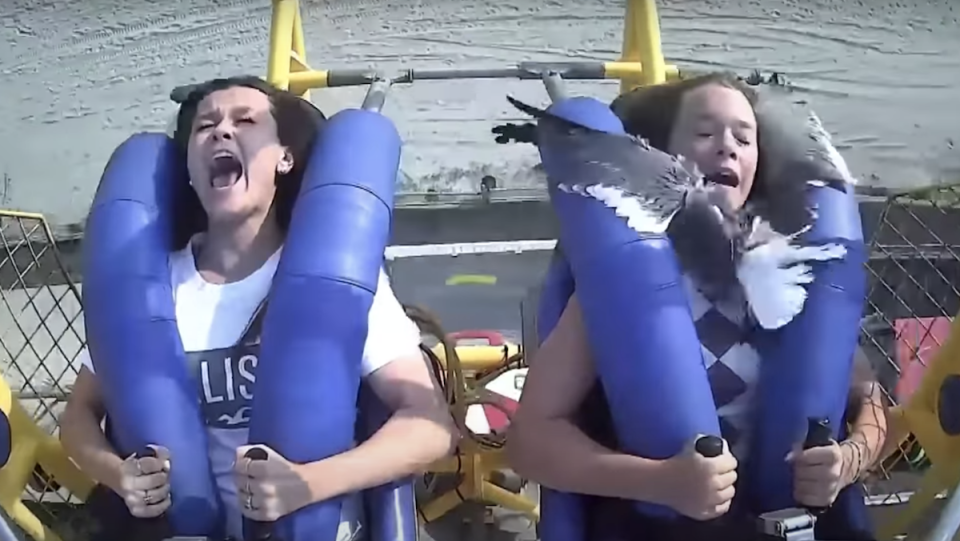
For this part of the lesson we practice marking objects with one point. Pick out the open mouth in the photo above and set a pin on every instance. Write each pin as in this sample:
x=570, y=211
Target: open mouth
x=723, y=178
x=225, y=170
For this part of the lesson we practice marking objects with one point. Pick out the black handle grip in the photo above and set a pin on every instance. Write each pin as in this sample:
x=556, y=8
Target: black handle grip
x=350, y=77
x=259, y=531
x=256, y=454
x=819, y=434
x=709, y=446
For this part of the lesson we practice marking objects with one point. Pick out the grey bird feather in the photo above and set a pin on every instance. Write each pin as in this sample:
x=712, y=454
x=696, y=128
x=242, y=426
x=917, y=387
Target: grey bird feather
x=600, y=164
x=798, y=154
x=655, y=192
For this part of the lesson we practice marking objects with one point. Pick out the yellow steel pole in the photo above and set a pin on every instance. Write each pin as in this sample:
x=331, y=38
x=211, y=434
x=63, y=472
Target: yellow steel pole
x=281, y=42
x=641, y=43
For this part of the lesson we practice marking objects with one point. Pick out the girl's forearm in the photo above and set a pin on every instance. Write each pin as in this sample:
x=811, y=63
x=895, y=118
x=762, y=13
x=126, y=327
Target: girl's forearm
x=85, y=443
x=406, y=445
x=864, y=445
x=557, y=454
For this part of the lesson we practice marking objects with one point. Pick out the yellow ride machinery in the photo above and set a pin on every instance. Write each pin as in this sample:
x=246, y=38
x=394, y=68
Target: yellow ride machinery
x=37, y=466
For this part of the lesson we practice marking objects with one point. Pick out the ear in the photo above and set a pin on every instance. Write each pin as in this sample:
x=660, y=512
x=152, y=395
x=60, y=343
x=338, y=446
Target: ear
x=285, y=165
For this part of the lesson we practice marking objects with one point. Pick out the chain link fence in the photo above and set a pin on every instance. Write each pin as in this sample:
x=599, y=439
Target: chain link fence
x=41, y=334
x=914, y=270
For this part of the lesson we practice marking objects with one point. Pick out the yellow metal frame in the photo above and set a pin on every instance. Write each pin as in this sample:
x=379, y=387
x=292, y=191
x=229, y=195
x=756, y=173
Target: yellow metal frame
x=32, y=447
x=475, y=463
x=920, y=416
x=641, y=61
x=479, y=358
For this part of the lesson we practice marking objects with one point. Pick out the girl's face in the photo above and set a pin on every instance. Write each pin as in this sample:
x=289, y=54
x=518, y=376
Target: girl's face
x=234, y=154
x=716, y=128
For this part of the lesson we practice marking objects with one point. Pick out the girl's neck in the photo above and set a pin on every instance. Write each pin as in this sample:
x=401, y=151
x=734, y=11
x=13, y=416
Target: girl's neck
x=231, y=252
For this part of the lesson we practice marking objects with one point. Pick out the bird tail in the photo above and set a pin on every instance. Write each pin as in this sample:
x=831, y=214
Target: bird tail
x=535, y=112
x=544, y=116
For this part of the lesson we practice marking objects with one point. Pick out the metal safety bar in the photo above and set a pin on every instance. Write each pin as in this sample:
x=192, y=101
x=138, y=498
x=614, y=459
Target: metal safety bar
x=577, y=71
x=376, y=95
x=550, y=73
x=641, y=61
x=553, y=82
x=552, y=76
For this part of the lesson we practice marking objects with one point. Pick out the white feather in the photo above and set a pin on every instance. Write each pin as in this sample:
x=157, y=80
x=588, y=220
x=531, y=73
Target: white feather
x=821, y=134
x=773, y=276
x=639, y=217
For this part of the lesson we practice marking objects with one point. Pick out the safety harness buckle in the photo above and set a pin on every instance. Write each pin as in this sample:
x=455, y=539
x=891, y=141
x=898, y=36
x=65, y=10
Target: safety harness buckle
x=793, y=524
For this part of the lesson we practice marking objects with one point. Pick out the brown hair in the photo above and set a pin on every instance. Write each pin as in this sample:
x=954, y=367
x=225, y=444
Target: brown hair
x=298, y=124
x=650, y=111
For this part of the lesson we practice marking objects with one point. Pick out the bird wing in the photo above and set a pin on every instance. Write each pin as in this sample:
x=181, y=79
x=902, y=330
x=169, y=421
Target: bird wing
x=644, y=185
x=797, y=154
x=775, y=276
x=775, y=267
x=798, y=149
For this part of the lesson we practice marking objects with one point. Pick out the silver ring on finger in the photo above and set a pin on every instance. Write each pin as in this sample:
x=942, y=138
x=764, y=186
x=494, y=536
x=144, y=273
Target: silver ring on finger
x=148, y=498
x=249, y=502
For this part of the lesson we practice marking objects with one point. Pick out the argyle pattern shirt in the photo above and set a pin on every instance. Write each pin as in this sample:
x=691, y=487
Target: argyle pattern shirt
x=732, y=363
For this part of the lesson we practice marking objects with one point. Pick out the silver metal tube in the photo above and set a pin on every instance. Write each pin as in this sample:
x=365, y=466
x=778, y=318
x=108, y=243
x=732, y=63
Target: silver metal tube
x=949, y=522
x=376, y=95
x=553, y=82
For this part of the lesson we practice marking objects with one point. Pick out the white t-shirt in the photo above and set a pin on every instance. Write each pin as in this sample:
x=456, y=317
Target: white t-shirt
x=213, y=317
